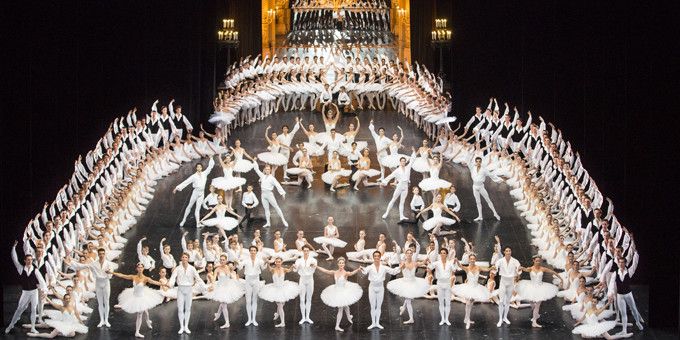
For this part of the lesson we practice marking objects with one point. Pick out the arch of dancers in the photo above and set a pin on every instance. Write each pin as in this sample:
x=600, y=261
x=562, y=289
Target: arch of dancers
x=71, y=247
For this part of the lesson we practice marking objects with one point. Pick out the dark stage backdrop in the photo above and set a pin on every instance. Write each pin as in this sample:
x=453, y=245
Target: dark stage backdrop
x=590, y=67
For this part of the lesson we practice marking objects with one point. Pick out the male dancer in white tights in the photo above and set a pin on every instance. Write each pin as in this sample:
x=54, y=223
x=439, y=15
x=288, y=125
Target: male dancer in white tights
x=619, y=289
x=101, y=269
x=286, y=138
x=508, y=268
x=197, y=181
x=267, y=185
x=186, y=276
x=381, y=144
x=252, y=268
x=444, y=270
x=305, y=267
x=376, y=288
x=479, y=174
x=30, y=280
x=402, y=175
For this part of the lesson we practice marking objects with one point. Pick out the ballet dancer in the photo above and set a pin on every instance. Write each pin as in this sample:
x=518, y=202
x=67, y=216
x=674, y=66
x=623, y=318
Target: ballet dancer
x=444, y=270
x=376, y=288
x=508, y=267
x=305, y=267
x=143, y=255
x=101, y=268
x=252, y=268
x=267, y=185
x=32, y=287
x=226, y=289
x=249, y=202
x=364, y=171
x=274, y=157
x=169, y=262
x=140, y=298
x=409, y=286
x=402, y=175
x=381, y=144
x=68, y=322
x=619, y=284
x=479, y=174
x=330, y=238
x=279, y=291
x=535, y=290
x=435, y=222
x=286, y=138
x=471, y=291
x=197, y=181
x=186, y=277
x=303, y=169
x=342, y=293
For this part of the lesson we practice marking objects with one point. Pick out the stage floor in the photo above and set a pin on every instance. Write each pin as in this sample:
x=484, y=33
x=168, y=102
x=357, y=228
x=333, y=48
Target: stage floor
x=307, y=209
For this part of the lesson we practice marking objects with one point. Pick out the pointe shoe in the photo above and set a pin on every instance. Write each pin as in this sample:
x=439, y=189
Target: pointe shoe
x=500, y=322
x=310, y=321
x=402, y=218
x=8, y=329
x=309, y=186
x=186, y=330
x=479, y=218
x=217, y=316
x=181, y=330
x=138, y=335
x=33, y=330
x=280, y=325
x=350, y=319
x=149, y=324
x=467, y=325
x=506, y=321
x=371, y=326
x=497, y=217
x=255, y=323
x=380, y=326
x=639, y=326
x=226, y=325
x=266, y=225
x=337, y=328
x=401, y=310
x=384, y=216
x=447, y=322
x=535, y=324
x=181, y=224
x=99, y=325
x=301, y=322
x=408, y=322
x=332, y=189
x=441, y=323
x=250, y=322
x=276, y=316
x=285, y=224
x=107, y=324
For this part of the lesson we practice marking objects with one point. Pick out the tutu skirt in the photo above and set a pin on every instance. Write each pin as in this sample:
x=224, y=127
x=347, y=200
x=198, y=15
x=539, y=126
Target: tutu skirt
x=330, y=240
x=409, y=288
x=593, y=330
x=243, y=165
x=313, y=149
x=421, y=165
x=473, y=291
x=279, y=292
x=430, y=184
x=536, y=292
x=66, y=324
x=296, y=171
x=228, y=292
x=135, y=304
x=434, y=221
x=393, y=161
x=228, y=183
x=328, y=176
x=273, y=158
x=341, y=295
x=346, y=148
x=364, y=256
x=224, y=223
x=368, y=173
x=171, y=293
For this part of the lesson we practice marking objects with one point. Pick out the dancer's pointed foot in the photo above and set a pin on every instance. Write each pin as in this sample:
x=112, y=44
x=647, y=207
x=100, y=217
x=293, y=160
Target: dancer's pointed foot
x=138, y=335
x=506, y=321
x=479, y=218
x=401, y=310
x=337, y=328
x=279, y=325
x=408, y=322
x=226, y=325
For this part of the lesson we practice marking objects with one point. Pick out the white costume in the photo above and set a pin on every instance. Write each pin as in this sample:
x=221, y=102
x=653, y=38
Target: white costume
x=376, y=289
x=186, y=278
x=403, y=176
x=507, y=270
x=252, y=270
x=306, y=268
x=267, y=185
x=443, y=273
x=197, y=181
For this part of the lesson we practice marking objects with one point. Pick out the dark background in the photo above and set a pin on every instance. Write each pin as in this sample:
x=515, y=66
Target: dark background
x=604, y=72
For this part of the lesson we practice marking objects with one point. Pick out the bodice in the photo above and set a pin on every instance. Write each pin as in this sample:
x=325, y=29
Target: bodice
x=228, y=171
x=340, y=280
x=536, y=277
x=394, y=148
x=409, y=273
x=436, y=212
x=473, y=277
x=434, y=172
x=331, y=230
x=275, y=148
x=360, y=245
x=138, y=289
x=277, y=279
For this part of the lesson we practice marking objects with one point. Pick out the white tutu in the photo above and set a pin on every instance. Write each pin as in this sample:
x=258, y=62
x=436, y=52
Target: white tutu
x=536, y=292
x=368, y=173
x=472, y=290
x=273, y=158
x=434, y=221
x=228, y=291
x=364, y=256
x=169, y=293
x=243, y=165
x=330, y=240
x=393, y=161
x=430, y=184
x=313, y=149
x=296, y=171
x=346, y=148
x=224, y=223
x=421, y=165
x=328, y=176
x=409, y=288
x=66, y=323
x=279, y=292
x=228, y=183
x=342, y=295
x=135, y=303
x=593, y=328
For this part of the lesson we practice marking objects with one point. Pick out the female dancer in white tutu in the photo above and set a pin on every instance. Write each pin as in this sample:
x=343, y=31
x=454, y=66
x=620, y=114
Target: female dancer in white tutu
x=435, y=222
x=360, y=253
x=242, y=165
x=228, y=182
x=422, y=162
x=350, y=136
x=471, y=291
x=590, y=325
x=392, y=160
x=273, y=157
x=280, y=290
x=409, y=286
x=221, y=221
x=330, y=238
x=303, y=169
x=67, y=324
x=227, y=289
x=315, y=138
x=364, y=171
x=433, y=183
x=331, y=116
x=343, y=293
x=335, y=172
x=140, y=298
x=535, y=290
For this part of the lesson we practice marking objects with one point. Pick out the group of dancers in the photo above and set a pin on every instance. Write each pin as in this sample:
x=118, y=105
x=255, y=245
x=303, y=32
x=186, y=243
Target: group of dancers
x=75, y=241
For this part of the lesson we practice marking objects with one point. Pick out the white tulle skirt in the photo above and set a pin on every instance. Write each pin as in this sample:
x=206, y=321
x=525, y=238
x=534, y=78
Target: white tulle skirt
x=228, y=183
x=536, y=292
x=435, y=221
x=66, y=324
x=313, y=149
x=328, y=176
x=170, y=293
x=472, y=290
x=228, y=292
x=224, y=223
x=335, y=242
x=346, y=148
x=368, y=173
x=421, y=165
x=273, y=158
x=135, y=304
x=430, y=184
x=297, y=171
x=393, y=161
x=282, y=292
x=409, y=288
x=364, y=256
x=243, y=165
x=340, y=296
x=594, y=330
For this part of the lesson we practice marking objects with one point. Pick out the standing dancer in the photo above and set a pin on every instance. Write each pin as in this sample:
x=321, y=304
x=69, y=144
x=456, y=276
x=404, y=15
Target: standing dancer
x=364, y=171
x=101, y=268
x=409, y=286
x=508, y=268
x=376, y=288
x=267, y=185
x=30, y=279
x=197, y=181
x=471, y=290
x=305, y=267
x=535, y=290
x=286, y=138
x=279, y=291
x=381, y=144
x=227, y=289
x=402, y=175
x=620, y=284
x=140, y=298
x=274, y=157
x=343, y=293
x=330, y=238
x=444, y=270
x=479, y=174
x=186, y=276
x=252, y=268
